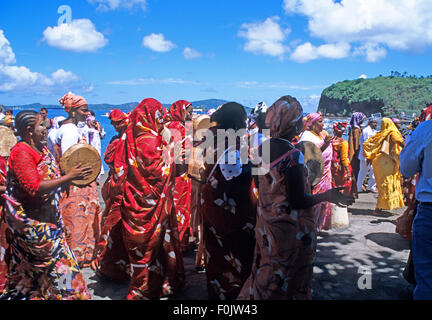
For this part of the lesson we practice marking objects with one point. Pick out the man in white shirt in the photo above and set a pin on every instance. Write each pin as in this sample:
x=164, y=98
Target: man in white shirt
x=2, y=115
x=365, y=167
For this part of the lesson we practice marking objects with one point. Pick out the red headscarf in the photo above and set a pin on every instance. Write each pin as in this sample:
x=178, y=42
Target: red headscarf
x=340, y=126
x=426, y=114
x=71, y=101
x=178, y=110
x=119, y=117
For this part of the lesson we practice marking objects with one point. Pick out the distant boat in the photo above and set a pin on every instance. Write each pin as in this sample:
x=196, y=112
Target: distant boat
x=106, y=115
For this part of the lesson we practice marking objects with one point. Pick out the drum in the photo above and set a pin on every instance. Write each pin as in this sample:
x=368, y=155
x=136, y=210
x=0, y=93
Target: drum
x=202, y=122
x=7, y=141
x=87, y=156
x=313, y=161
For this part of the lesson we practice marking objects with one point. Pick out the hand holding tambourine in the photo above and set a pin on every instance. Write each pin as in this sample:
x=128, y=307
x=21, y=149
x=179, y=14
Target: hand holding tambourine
x=83, y=160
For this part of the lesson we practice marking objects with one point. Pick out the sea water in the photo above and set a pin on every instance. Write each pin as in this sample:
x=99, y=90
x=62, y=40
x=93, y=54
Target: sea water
x=101, y=117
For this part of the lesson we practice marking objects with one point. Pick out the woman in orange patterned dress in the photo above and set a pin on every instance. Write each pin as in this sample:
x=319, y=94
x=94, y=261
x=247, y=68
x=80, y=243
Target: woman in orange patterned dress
x=79, y=205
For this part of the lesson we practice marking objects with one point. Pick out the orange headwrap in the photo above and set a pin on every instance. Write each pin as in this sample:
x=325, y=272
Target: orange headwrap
x=72, y=101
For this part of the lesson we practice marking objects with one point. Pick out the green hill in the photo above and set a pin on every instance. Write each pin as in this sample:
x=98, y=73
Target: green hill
x=388, y=95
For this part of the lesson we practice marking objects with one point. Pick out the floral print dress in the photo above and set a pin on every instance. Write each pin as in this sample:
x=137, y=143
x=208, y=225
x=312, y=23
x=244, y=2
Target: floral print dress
x=228, y=206
x=286, y=240
x=42, y=266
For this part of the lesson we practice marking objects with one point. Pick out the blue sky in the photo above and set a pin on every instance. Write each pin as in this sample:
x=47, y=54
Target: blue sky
x=117, y=51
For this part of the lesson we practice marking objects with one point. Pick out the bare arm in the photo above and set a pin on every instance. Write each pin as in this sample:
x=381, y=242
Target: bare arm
x=299, y=199
x=47, y=186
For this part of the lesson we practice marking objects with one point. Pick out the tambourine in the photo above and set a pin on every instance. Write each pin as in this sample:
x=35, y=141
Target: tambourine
x=7, y=141
x=313, y=160
x=87, y=156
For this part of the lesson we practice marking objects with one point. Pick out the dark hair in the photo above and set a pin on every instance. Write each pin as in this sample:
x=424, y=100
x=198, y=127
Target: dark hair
x=23, y=120
x=92, y=113
x=44, y=109
x=261, y=121
x=230, y=116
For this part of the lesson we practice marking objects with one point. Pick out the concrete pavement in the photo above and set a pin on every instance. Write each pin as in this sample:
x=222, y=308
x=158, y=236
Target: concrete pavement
x=369, y=244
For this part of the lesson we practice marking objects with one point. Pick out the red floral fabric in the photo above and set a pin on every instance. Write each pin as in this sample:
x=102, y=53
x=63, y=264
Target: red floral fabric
x=150, y=230
x=112, y=259
x=183, y=185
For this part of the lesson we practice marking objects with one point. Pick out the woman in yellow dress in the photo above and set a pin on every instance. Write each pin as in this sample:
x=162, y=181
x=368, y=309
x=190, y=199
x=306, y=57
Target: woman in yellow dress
x=383, y=150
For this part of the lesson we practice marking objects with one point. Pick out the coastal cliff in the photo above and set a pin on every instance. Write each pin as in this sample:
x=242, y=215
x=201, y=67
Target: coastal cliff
x=386, y=95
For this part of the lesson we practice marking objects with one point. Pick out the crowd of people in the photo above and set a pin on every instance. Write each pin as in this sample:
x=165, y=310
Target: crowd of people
x=255, y=234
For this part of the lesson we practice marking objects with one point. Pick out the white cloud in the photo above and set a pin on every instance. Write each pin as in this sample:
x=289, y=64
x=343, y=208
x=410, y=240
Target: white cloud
x=310, y=103
x=20, y=79
x=307, y=52
x=79, y=36
x=363, y=76
x=371, y=25
x=373, y=52
x=190, y=53
x=7, y=56
x=265, y=38
x=106, y=5
x=157, y=42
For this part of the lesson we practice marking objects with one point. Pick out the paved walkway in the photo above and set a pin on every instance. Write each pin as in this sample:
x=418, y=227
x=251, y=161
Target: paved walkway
x=369, y=243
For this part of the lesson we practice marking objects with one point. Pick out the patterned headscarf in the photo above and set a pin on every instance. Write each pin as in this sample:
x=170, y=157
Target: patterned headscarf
x=356, y=119
x=71, y=101
x=148, y=116
x=121, y=118
x=309, y=120
x=426, y=114
x=260, y=108
x=340, y=127
x=372, y=147
x=283, y=115
x=178, y=111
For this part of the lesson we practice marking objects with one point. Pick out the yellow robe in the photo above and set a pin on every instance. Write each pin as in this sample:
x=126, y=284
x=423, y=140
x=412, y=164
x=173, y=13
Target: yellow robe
x=386, y=166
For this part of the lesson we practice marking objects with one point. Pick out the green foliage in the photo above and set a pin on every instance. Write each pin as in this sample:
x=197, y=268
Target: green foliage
x=393, y=94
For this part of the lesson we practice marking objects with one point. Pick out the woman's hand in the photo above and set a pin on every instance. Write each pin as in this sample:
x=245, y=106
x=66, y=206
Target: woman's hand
x=327, y=141
x=335, y=196
x=79, y=173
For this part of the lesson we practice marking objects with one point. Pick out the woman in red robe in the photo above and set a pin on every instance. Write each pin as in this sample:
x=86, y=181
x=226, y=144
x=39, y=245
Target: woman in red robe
x=179, y=113
x=149, y=224
x=111, y=253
